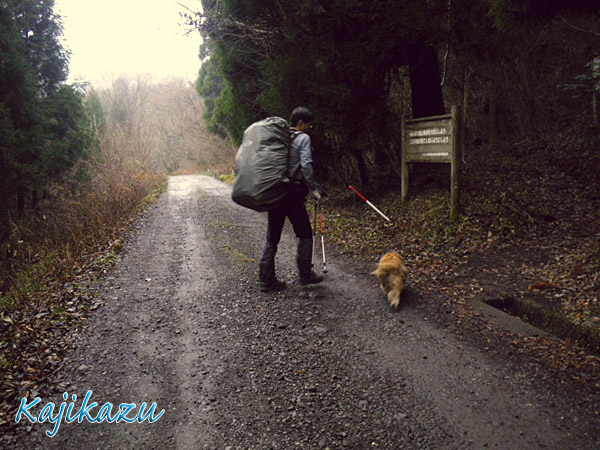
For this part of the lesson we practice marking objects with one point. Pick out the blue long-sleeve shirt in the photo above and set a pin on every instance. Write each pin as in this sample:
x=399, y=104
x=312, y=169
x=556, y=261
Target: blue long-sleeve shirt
x=300, y=161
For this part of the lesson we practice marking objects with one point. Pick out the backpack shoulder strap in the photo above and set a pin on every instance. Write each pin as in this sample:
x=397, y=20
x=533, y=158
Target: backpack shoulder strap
x=294, y=134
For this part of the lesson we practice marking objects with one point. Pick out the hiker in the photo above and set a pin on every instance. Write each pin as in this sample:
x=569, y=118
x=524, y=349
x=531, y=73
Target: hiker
x=292, y=207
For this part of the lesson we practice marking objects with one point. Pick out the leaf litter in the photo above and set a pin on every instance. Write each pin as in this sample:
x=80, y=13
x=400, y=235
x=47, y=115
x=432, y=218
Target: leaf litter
x=529, y=223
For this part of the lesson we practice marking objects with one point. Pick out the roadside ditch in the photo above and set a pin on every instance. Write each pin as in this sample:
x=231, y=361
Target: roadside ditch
x=534, y=310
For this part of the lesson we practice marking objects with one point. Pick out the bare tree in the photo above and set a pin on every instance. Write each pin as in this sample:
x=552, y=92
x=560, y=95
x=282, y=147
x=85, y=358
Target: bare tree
x=160, y=126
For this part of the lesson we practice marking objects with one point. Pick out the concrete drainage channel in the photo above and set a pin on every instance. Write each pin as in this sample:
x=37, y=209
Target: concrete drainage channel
x=526, y=316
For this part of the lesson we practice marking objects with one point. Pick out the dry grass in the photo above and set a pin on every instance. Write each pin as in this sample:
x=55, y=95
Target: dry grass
x=51, y=255
x=76, y=220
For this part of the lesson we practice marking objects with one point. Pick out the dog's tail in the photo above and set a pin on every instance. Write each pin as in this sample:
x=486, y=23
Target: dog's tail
x=384, y=268
x=394, y=297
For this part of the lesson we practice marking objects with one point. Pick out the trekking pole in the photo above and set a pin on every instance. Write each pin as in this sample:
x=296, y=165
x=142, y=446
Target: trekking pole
x=312, y=265
x=323, y=242
x=370, y=204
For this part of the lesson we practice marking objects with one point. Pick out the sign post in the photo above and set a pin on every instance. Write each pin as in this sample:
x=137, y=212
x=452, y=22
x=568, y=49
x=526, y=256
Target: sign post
x=433, y=140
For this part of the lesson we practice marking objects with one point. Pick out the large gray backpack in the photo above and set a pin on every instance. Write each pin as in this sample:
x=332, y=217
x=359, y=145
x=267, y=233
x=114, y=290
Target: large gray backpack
x=261, y=165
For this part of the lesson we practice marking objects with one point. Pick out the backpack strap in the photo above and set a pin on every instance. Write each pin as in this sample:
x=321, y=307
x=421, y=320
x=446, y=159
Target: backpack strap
x=294, y=134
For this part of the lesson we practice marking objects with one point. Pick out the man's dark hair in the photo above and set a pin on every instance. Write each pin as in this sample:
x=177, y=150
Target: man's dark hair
x=300, y=114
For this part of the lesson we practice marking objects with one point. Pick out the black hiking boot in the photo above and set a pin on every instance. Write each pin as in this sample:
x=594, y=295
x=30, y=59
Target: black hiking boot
x=304, y=261
x=311, y=278
x=271, y=285
x=267, y=280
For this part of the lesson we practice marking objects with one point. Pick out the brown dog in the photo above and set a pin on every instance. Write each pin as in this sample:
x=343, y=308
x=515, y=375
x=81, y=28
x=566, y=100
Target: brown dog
x=392, y=273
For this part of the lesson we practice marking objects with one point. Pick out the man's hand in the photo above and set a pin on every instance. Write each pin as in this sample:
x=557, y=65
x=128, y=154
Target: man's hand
x=316, y=194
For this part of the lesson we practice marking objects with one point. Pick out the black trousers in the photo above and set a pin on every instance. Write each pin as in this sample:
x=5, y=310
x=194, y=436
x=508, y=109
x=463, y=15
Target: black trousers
x=294, y=209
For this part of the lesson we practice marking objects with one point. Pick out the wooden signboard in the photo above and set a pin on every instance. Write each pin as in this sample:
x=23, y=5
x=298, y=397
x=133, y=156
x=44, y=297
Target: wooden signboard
x=433, y=140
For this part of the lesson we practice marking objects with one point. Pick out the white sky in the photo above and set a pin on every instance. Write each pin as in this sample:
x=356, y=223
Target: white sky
x=108, y=38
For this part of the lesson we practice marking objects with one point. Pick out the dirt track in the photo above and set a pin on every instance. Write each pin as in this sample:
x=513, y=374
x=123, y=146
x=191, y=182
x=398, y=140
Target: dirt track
x=183, y=324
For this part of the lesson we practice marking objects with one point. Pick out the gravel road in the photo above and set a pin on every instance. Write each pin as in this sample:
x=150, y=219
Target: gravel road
x=182, y=324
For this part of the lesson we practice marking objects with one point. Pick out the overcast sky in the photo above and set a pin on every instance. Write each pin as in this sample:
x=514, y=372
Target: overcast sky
x=112, y=37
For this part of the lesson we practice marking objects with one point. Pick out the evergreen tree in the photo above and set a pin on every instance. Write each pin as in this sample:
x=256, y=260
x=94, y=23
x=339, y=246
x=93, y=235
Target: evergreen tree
x=334, y=57
x=511, y=13
x=41, y=119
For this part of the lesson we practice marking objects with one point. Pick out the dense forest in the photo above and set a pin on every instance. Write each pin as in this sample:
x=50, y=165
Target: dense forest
x=517, y=68
x=44, y=126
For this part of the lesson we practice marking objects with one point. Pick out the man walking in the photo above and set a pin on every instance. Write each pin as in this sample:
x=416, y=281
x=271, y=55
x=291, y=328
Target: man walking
x=293, y=207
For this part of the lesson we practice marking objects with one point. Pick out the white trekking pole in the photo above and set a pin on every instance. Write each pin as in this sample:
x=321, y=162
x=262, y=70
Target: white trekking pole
x=314, y=238
x=323, y=242
x=316, y=224
x=370, y=204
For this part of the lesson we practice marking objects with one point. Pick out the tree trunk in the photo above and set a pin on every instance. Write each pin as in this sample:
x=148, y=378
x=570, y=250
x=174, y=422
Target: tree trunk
x=382, y=159
x=465, y=108
x=362, y=166
x=493, y=115
x=426, y=84
x=595, y=109
x=34, y=199
x=4, y=229
x=21, y=201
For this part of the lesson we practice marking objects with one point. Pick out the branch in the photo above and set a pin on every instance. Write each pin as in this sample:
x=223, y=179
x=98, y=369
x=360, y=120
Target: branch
x=577, y=28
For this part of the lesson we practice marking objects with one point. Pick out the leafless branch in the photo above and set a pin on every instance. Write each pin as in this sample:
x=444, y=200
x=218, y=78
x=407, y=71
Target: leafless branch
x=583, y=30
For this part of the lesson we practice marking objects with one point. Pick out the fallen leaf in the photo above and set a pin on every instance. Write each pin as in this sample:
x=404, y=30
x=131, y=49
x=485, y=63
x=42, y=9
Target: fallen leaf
x=540, y=285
